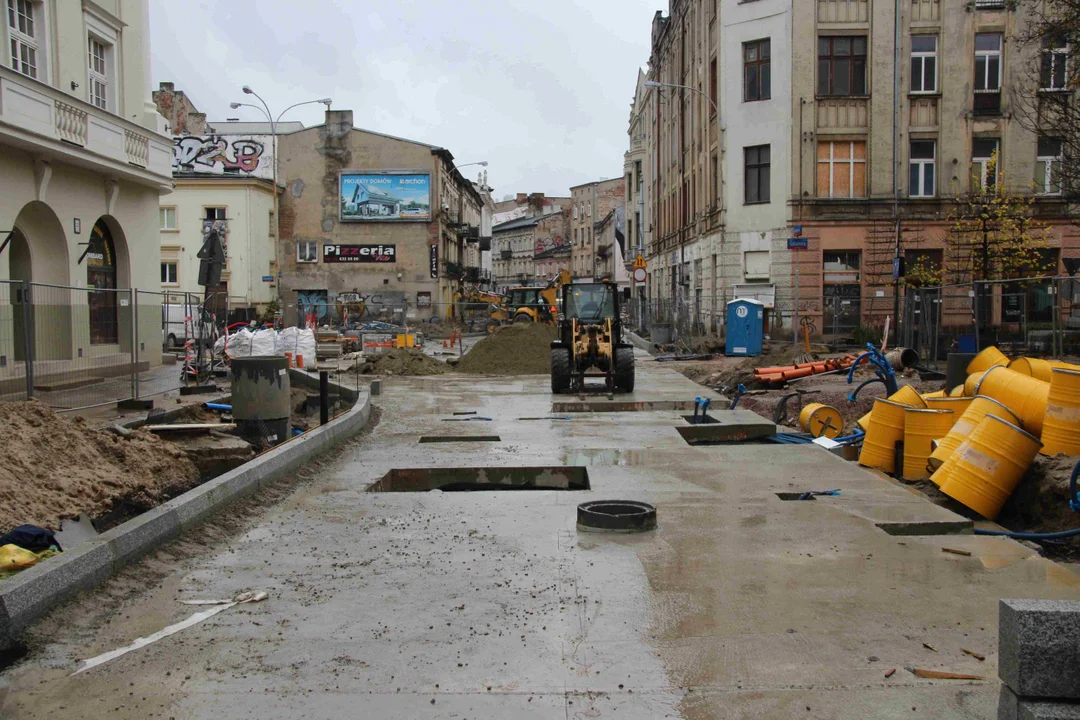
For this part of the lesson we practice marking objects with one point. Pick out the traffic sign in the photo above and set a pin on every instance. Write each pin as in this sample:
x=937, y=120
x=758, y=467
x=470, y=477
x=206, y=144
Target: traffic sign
x=639, y=263
x=797, y=231
x=639, y=276
x=797, y=243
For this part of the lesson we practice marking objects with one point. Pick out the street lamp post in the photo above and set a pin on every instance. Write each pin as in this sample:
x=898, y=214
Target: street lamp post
x=273, y=140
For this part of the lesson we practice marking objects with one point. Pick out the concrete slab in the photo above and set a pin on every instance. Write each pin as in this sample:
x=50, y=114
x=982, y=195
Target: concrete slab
x=1040, y=648
x=739, y=604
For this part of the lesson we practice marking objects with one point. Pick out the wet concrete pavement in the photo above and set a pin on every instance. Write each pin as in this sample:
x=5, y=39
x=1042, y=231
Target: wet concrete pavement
x=492, y=605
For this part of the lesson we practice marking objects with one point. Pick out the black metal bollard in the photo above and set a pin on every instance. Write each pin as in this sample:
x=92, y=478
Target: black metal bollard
x=324, y=397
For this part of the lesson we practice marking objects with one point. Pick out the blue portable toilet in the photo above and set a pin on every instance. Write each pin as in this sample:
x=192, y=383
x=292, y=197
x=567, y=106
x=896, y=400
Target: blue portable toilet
x=745, y=327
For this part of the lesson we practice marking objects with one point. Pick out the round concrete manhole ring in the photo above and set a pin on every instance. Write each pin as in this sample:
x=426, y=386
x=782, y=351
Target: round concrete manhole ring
x=619, y=516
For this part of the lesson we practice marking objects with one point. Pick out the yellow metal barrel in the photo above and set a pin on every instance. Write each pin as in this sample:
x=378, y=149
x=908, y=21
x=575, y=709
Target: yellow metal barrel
x=958, y=405
x=957, y=391
x=1061, y=426
x=1024, y=395
x=988, y=358
x=972, y=382
x=909, y=396
x=938, y=394
x=920, y=428
x=821, y=420
x=1032, y=367
x=987, y=467
x=978, y=408
x=885, y=429
x=1064, y=365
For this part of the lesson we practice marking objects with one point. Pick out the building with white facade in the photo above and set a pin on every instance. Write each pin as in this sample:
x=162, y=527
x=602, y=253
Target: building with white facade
x=83, y=161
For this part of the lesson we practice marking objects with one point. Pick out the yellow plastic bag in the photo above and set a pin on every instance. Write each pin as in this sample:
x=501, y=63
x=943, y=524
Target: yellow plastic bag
x=13, y=557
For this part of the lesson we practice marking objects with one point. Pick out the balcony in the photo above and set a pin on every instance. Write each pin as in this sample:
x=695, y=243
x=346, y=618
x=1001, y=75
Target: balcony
x=42, y=120
x=506, y=254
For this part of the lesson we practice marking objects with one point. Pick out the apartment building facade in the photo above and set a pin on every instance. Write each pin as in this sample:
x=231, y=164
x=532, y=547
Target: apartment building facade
x=590, y=203
x=83, y=161
x=758, y=118
x=367, y=214
x=530, y=250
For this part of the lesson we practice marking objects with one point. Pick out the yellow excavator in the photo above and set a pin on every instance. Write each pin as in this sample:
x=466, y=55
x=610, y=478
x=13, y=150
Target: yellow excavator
x=531, y=304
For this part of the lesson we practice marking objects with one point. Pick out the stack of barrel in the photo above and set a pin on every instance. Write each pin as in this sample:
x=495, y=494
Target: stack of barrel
x=977, y=440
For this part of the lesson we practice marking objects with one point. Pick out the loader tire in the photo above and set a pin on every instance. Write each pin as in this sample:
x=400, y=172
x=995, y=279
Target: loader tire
x=560, y=370
x=624, y=369
x=523, y=318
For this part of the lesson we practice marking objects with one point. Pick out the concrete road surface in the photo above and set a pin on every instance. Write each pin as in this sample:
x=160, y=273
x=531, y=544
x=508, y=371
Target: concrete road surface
x=493, y=604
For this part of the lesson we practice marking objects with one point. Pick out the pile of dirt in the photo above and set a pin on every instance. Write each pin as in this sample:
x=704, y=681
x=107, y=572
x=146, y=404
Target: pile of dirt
x=518, y=349
x=1040, y=502
x=404, y=361
x=52, y=467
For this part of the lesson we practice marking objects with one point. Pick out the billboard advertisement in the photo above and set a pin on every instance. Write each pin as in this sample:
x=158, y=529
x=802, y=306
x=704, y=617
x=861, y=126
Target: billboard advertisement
x=359, y=254
x=375, y=196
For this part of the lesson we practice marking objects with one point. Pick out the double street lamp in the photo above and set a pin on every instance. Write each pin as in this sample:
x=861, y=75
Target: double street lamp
x=265, y=109
x=655, y=84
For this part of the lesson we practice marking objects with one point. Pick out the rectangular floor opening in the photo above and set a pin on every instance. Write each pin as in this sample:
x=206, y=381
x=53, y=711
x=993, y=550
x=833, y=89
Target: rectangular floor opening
x=483, y=479
x=602, y=404
x=794, y=496
x=722, y=434
x=701, y=420
x=459, y=438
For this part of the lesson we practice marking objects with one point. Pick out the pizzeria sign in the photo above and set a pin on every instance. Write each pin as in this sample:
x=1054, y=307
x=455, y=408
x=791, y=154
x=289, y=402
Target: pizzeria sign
x=359, y=254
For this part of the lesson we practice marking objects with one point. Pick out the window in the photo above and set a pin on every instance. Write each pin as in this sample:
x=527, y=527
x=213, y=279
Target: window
x=989, y=4
x=921, y=176
x=756, y=264
x=1050, y=154
x=1054, y=68
x=987, y=73
x=712, y=87
x=98, y=78
x=842, y=65
x=272, y=225
x=984, y=158
x=307, y=252
x=757, y=79
x=840, y=266
x=215, y=213
x=575, y=212
x=167, y=218
x=923, y=63
x=841, y=169
x=757, y=174
x=715, y=179
x=168, y=273
x=23, y=31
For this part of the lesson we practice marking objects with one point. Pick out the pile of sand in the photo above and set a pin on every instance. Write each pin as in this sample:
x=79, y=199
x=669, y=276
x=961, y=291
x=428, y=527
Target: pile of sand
x=1040, y=502
x=52, y=466
x=404, y=361
x=518, y=349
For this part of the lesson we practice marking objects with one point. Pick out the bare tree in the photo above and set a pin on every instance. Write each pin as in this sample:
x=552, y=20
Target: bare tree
x=1046, y=99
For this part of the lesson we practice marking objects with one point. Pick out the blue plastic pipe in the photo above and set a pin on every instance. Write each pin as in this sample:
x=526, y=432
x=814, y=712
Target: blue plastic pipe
x=218, y=406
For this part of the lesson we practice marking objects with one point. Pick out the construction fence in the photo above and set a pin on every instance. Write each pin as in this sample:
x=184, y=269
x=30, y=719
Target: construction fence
x=1035, y=316
x=76, y=347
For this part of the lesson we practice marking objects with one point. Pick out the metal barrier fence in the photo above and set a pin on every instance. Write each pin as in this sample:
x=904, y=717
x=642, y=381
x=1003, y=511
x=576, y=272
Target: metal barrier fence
x=76, y=347
x=1035, y=316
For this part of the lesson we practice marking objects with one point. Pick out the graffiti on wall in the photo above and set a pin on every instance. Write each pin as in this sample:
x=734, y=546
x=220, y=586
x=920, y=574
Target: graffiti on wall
x=222, y=155
x=554, y=243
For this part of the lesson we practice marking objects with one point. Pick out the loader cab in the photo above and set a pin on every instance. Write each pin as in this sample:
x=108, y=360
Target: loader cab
x=590, y=340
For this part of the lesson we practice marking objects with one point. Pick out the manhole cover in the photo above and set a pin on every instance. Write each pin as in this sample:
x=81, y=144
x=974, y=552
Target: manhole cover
x=627, y=516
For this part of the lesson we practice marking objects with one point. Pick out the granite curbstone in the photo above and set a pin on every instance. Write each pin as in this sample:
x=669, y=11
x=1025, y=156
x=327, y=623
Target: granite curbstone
x=30, y=594
x=1039, y=647
x=142, y=534
x=1013, y=707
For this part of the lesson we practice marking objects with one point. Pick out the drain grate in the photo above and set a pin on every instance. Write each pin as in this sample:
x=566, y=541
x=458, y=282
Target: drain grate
x=459, y=438
x=483, y=479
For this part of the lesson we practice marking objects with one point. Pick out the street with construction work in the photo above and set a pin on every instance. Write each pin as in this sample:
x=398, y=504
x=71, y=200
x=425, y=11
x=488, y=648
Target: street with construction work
x=394, y=592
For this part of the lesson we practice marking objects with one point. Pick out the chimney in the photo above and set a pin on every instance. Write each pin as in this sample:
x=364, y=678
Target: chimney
x=166, y=86
x=342, y=118
x=522, y=198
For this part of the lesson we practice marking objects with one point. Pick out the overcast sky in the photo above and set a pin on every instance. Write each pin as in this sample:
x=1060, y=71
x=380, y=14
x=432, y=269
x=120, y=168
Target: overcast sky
x=540, y=90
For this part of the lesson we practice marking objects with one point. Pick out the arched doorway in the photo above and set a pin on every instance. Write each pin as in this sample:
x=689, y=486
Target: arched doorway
x=101, y=279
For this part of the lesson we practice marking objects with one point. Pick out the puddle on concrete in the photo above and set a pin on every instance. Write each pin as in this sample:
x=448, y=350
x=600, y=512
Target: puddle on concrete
x=610, y=458
x=483, y=479
x=459, y=438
